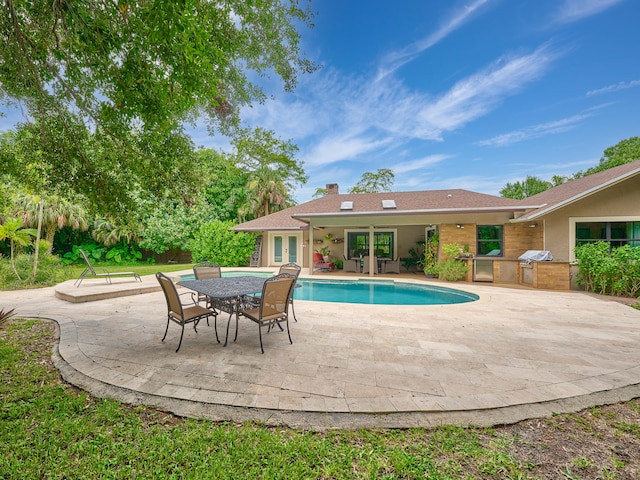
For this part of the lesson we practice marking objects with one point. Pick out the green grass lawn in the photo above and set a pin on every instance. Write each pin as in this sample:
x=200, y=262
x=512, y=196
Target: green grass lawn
x=51, y=274
x=49, y=429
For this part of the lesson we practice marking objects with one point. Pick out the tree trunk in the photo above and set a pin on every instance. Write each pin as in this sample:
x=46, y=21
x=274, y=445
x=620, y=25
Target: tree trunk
x=37, y=252
x=13, y=262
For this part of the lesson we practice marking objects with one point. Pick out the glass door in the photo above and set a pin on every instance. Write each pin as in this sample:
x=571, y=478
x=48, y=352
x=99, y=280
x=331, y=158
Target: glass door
x=284, y=248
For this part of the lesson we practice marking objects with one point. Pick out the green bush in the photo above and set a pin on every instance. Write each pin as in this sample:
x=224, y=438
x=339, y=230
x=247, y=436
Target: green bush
x=452, y=270
x=609, y=273
x=216, y=242
x=94, y=251
x=50, y=271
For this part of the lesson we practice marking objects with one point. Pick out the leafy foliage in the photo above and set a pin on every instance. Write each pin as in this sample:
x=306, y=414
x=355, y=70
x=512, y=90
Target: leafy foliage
x=6, y=315
x=109, y=86
x=216, y=242
x=94, y=252
x=527, y=188
x=451, y=268
x=609, y=273
x=625, y=151
x=380, y=181
x=49, y=271
x=173, y=226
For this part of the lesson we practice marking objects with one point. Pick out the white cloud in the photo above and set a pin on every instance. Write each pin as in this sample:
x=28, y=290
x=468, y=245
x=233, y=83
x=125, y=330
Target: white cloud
x=338, y=148
x=575, y=10
x=476, y=95
x=614, y=88
x=419, y=164
x=457, y=18
x=535, y=131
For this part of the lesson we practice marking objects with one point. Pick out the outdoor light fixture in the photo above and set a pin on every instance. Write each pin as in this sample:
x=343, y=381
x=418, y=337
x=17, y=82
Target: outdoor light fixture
x=533, y=225
x=459, y=226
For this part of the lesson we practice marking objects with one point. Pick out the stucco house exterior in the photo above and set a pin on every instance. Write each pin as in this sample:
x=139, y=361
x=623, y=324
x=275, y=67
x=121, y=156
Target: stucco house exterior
x=495, y=230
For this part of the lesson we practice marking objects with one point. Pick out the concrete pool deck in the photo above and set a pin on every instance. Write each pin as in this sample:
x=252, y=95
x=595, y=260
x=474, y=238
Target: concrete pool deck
x=513, y=354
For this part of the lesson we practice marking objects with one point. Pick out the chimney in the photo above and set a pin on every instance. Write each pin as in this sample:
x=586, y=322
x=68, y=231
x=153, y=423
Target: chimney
x=332, y=189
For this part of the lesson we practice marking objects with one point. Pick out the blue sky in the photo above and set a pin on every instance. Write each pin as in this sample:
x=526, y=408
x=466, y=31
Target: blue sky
x=456, y=94
x=460, y=94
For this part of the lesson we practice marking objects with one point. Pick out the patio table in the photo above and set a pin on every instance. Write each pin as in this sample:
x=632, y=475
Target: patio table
x=228, y=294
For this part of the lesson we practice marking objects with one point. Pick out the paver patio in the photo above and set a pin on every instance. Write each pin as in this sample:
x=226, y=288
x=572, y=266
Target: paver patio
x=511, y=355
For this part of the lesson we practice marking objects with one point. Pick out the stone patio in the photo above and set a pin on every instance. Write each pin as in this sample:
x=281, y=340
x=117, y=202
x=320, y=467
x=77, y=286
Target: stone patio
x=511, y=355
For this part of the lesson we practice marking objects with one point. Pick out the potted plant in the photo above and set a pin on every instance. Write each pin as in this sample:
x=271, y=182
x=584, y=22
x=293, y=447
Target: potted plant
x=325, y=251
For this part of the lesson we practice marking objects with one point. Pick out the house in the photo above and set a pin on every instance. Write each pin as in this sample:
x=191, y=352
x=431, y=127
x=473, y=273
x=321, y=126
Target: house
x=496, y=230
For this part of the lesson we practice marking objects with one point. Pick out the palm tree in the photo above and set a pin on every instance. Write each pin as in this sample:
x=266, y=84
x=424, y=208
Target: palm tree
x=13, y=231
x=267, y=191
x=109, y=233
x=57, y=213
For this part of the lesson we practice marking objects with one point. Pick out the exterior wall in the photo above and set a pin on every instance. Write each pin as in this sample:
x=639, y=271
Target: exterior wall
x=546, y=275
x=520, y=237
x=465, y=235
x=622, y=200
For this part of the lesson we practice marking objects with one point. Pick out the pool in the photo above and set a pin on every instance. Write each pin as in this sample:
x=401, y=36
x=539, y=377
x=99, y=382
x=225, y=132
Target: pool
x=371, y=292
x=379, y=292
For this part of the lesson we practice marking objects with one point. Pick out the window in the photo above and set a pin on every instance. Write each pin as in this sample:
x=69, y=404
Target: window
x=616, y=234
x=358, y=244
x=489, y=240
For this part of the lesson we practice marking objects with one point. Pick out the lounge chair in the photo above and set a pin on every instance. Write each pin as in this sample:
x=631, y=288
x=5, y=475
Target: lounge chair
x=351, y=265
x=391, y=266
x=181, y=313
x=274, y=304
x=90, y=272
x=320, y=264
x=291, y=269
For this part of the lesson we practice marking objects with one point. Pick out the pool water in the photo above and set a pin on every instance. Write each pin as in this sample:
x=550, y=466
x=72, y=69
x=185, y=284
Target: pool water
x=371, y=292
x=378, y=292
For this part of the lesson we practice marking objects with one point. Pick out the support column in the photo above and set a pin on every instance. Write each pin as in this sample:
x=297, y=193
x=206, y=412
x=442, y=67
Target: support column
x=373, y=261
x=311, y=249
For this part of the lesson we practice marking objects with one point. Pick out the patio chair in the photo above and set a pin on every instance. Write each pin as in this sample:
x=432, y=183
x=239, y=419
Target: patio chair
x=274, y=304
x=391, y=266
x=205, y=271
x=320, y=264
x=351, y=265
x=291, y=269
x=181, y=313
x=365, y=265
x=90, y=272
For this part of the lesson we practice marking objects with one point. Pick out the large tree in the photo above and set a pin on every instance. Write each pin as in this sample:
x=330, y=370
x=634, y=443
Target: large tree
x=370, y=182
x=272, y=169
x=625, y=151
x=530, y=186
x=114, y=82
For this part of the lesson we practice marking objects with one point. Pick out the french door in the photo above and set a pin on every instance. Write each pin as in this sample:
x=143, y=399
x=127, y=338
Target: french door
x=285, y=248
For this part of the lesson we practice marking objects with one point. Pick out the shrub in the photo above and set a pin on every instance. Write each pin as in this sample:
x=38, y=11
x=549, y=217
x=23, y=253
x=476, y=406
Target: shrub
x=609, y=273
x=50, y=271
x=452, y=270
x=216, y=242
x=94, y=251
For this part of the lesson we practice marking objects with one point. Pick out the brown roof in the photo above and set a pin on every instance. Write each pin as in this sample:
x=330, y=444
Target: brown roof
x=440, y=201
x=415, y=202
x=573, y=190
